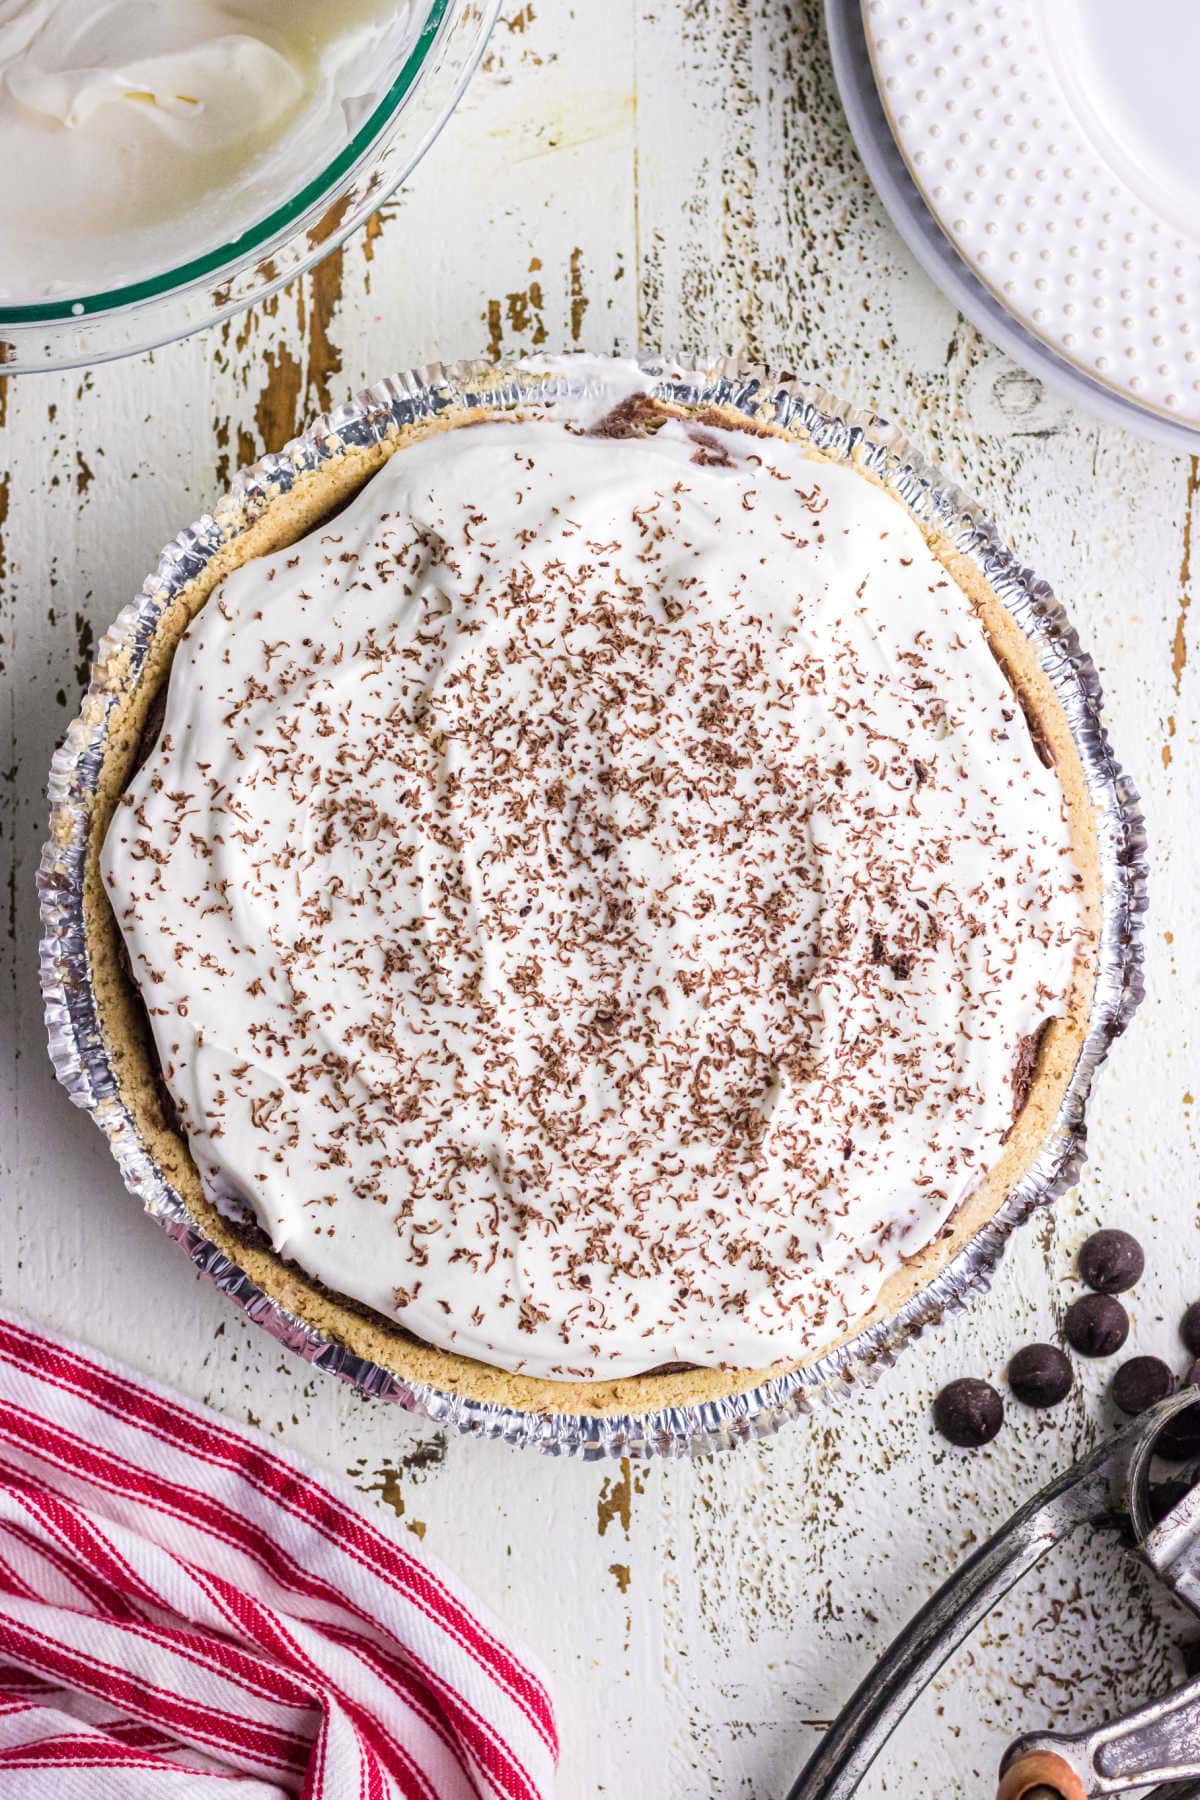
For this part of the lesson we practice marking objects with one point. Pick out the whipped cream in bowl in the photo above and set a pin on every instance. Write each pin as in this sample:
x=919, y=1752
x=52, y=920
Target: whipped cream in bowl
x=163, y=143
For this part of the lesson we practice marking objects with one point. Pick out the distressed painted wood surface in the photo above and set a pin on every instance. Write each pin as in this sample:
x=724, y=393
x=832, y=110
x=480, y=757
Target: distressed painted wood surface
x=676, y=172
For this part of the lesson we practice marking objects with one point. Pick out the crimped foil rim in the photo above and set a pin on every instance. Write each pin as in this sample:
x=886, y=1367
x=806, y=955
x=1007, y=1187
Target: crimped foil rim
x=844, y=432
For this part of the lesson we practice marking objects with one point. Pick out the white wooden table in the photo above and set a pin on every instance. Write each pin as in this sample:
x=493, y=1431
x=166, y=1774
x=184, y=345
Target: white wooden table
x=676, y=172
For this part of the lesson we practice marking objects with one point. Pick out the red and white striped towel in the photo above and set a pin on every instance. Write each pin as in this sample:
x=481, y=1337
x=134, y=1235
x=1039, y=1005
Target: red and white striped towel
x=187, y=1614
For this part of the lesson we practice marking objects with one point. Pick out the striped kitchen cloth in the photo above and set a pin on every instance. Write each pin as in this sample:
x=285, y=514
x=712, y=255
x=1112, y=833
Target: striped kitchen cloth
x=186, y=1614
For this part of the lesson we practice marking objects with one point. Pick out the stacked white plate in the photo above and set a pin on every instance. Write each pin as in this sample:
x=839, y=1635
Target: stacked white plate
x=1042, y=160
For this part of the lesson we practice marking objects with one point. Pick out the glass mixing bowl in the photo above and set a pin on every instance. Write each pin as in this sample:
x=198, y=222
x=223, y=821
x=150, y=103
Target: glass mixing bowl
x=325, y=207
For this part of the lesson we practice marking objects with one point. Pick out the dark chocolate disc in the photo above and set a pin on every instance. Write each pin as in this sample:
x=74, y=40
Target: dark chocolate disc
x=1141, y=1383
x=1096, y=1325
x=968, y=1413
x=1111, y=1261
x=1040, y=1375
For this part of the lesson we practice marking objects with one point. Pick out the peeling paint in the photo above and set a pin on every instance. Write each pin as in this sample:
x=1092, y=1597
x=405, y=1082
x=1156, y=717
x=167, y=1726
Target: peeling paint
x=388, y=1487
x=616, y=1499
x=1179, y=646
x=276, y=411
x=85, y=649
x=388, y=1480
x=371, y=233
x=221, y=441
x=324, y=358
x=554, y=304
x=579, y=300
x=1179, y=643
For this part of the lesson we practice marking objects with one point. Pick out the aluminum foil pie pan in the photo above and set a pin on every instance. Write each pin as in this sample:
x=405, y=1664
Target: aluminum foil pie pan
x=77, y=1045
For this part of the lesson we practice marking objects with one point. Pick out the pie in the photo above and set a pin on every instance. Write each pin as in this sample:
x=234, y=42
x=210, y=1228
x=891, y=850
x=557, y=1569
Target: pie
x=589, y=907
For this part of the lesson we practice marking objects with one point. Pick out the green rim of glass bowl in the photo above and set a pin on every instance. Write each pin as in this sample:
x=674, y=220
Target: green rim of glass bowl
x=276, y=224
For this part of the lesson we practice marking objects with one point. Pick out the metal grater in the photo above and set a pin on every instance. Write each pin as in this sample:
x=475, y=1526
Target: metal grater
x=1159, y=1743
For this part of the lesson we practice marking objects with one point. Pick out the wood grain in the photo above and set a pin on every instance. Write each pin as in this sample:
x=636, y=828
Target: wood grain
x=682, y=173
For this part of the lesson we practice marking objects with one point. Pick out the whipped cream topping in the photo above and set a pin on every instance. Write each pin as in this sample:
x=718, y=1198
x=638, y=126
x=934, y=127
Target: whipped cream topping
x=595, y=897
x=147, y=132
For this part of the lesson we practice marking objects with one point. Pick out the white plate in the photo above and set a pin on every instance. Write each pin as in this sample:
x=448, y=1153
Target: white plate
x=1056, y=144
x=937, y=255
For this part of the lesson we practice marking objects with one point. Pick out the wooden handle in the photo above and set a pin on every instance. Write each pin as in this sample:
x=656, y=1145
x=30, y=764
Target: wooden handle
x=1041, y=1776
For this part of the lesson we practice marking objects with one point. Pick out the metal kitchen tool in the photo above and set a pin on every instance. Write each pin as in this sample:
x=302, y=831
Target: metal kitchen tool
x=1160, y=1742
